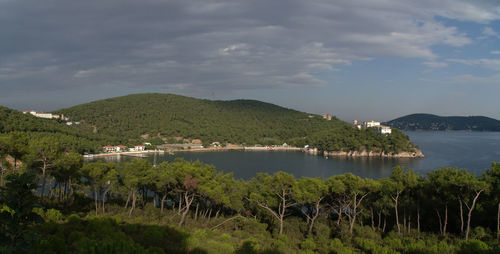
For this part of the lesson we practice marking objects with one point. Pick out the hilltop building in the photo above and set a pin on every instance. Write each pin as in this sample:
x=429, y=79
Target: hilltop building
x=371, y=124
x=327, y=117
x=382, y=129
x=45, y=115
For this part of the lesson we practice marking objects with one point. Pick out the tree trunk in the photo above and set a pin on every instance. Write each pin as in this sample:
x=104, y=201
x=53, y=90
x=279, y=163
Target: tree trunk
x=385, y=223
x=340, y=215
x=461, y=215
x=396, y=199
x=373, y=219
x=180, y=204
x=498, y=222
x=43, y=182
x=95, y=200
x=404, y=220
x=379, y=220
x=163, y=202
x=282, y=213
x=313, y=219
x=103, y=200
x=445, y=219
x=469, y=215
x=409, y=223
x=217, y=213
x=440, y=223
x=196, y=211
x=134, y=198
x=418, y=220
x=188, y=202
x=210, y=214
x=128, y=199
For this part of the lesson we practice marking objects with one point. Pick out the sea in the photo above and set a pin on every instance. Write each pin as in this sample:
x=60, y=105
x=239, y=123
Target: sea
x=474, y=151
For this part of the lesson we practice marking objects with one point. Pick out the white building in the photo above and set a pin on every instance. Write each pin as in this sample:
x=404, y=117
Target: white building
x=383, y=129
x=140, y=148
x=371, y=124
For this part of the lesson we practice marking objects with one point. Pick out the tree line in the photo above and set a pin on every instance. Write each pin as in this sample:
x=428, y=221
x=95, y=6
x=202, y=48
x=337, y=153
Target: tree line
x=444, y=201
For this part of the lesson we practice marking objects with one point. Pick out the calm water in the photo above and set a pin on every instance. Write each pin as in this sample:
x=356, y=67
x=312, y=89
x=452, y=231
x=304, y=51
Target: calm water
x=472, y=150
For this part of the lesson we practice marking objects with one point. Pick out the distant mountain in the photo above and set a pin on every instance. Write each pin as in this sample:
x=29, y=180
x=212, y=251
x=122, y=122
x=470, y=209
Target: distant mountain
x=166, y=116
x=428, y=122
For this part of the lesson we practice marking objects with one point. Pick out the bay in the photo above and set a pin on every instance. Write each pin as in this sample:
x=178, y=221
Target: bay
x=463, y=149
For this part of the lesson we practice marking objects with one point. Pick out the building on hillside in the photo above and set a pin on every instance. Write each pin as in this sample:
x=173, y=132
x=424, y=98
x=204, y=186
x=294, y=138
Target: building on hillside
x=38, y=114
x=371, y=124
x=121, y=148
x=356, y=124
x=327, y=117
x=45, y=115
x=109, y=149
x=383, y=129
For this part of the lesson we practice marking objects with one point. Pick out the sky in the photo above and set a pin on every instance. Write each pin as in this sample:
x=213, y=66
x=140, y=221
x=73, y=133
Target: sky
x=355, y=59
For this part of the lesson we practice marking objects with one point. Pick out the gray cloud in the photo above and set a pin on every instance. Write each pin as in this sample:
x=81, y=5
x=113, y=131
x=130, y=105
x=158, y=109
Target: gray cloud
x=199, y=45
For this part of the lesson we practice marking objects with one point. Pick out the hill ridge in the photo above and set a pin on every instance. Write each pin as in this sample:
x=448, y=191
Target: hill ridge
x=431, y=122
x=240, y=121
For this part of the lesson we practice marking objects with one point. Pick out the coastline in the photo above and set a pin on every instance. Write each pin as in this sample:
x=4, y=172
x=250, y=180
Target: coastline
x=352, y=154
x=364, y=153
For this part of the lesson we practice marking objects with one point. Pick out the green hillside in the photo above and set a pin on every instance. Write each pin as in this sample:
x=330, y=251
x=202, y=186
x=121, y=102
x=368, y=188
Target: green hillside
x=77, y=138
x=439, y=123
x=239, y=122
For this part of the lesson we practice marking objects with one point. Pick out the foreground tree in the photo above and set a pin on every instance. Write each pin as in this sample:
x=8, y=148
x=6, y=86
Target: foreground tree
x=17, y=214
x=399, y=182
x=133, y=176
x=356, y=190
x=67, y=171
x=101, y=177
x=190, y=179
x=310, y=194
x=43, y=155
x=470, y=188
x=492, y=177
x=274, y=193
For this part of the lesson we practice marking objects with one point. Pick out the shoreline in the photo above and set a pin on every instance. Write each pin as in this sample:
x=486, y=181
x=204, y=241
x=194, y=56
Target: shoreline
x=336, y=154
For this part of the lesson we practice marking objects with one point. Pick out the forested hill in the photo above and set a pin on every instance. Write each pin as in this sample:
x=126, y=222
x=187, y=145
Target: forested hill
x=76, y=138
x=428, y=122
x=238, y=122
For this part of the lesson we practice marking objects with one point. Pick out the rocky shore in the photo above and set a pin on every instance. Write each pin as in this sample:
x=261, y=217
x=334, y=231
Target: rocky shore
x=364, y=153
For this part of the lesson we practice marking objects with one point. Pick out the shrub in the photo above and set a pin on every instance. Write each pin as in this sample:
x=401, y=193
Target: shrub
x=474, y=247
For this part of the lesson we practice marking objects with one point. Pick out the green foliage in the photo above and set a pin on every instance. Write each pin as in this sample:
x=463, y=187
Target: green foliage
x=18, y=197
x=19, y=126
x=238, y=122
x=474, y=247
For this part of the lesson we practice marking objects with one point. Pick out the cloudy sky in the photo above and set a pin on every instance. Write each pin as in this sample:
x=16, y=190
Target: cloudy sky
x=356, y=59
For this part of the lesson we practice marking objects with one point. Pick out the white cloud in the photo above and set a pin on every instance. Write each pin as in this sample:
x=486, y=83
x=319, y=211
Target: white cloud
x=493, y=64
x=470, y=79
x=495, y=52
x=434, y=64
x=489, y=32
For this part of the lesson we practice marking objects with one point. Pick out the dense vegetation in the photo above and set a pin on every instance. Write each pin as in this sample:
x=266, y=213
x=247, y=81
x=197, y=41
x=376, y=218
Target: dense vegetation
x=189, y=207
x=428, y=122
x=239, y=122
x=24, y=127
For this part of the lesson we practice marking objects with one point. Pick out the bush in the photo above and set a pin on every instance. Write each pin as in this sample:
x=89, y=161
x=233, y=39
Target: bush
x=308, y=245
x=474, y=247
